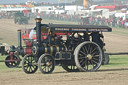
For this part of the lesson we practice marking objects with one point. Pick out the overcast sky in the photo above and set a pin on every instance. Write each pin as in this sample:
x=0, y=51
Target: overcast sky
x=20, y=1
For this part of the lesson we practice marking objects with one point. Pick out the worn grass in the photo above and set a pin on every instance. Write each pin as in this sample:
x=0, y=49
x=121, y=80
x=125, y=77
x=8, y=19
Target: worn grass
x=120, y=31
x=116, y=61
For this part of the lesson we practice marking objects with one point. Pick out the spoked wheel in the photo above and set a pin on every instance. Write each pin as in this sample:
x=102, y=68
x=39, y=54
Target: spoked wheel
x=88, y=56
x=12, y=61
x=29, y=65
x=46, y=63
x=70, y=68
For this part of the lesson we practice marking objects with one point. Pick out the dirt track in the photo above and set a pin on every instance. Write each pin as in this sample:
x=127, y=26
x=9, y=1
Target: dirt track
x=115, y=76
x=60, y=77
x=116, y=43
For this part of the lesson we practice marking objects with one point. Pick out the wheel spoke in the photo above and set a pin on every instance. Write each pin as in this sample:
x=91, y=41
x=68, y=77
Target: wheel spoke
x=49, y=68
x=89, y=48
x=31, y=68
x=91, y=63
x=14, y=63
x=93, y=50
x=94, y=61
x=82, y=58
x=87, y=64
x=43, y=68
x=85, y=49
x=83, y=53
x=94, y=53
x=83, y=63
x=27, y=68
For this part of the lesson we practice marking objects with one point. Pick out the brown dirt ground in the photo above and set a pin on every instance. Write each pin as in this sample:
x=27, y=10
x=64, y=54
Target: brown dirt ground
x=109, y=76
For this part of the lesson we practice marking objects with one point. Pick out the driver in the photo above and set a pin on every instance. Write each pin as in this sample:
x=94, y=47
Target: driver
x=32, y=34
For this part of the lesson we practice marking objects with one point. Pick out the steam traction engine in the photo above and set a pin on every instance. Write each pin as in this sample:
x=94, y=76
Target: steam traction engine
x=28, y=36
x=13, y=59
x=79, y=49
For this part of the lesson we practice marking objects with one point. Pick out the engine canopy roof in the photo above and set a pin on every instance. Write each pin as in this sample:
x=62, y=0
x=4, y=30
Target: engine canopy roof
x=75, y=28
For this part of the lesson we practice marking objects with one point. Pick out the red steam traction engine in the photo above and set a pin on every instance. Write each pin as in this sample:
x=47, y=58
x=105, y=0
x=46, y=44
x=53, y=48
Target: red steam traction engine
x=29, y=38
x=13, y=59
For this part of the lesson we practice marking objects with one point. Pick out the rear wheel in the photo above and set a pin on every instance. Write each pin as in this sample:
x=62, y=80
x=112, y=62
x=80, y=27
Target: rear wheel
x=88, y=56
x=46, y=63
x=12, y=61
x=29, y=65
x=106, y=56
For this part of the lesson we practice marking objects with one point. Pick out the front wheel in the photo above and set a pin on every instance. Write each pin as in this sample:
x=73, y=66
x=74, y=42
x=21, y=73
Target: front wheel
x=88, y=56
x=29, y=64
x=46, y=63
x=12, y=61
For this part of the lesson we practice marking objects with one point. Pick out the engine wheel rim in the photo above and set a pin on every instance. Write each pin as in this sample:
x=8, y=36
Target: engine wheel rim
x=12, y=63
x=46, y=64
x=89, y=56
x=29, y=65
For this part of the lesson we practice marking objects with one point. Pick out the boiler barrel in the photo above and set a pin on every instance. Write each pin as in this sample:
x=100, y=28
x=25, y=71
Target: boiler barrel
x=48, y=49
x=53, y=49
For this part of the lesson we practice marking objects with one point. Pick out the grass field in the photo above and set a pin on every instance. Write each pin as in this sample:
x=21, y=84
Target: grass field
x=115, y=61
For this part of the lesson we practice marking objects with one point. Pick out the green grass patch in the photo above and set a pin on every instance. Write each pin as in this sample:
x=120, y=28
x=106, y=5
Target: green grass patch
x=117, y=61
x=3, y=67
x=2, y=58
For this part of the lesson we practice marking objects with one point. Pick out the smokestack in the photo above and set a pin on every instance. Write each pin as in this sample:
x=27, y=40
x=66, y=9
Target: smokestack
x=19, y=39
x=38, y=30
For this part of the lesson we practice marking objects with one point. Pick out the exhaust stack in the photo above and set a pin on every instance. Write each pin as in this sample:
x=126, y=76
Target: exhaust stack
x=38, y=30
x=19, y=39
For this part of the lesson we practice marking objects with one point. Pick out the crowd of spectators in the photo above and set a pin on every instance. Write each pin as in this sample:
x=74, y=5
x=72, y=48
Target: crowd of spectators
x=62, y=17
x=113, y=21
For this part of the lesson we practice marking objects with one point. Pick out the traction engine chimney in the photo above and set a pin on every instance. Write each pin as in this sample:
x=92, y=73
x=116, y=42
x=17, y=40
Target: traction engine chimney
x=38, y=30
x=19, y=39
